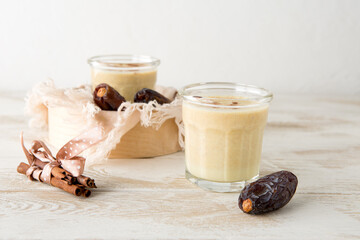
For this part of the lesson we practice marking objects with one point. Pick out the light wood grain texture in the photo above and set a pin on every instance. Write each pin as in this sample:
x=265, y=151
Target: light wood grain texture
x=318, y=138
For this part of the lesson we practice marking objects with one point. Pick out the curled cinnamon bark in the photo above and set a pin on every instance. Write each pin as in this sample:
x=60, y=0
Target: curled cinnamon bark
x=59, y=183
x=62, y=174
x=22, y=168
x=57, y=172
x=86, y=181
x=73, y=189
x=86, y=193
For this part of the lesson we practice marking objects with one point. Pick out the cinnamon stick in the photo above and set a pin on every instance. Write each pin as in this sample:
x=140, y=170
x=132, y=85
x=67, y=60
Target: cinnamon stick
x=22, y=168
x=56, y=171
x=86, y=181
x=73, y=189
x=86, y=193
x=69, y=176
x=70, y=181
x=56, y=182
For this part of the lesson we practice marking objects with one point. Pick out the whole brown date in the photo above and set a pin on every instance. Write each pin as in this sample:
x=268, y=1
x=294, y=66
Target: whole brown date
x=268, y=193
x=146, y=95
x=107, y=98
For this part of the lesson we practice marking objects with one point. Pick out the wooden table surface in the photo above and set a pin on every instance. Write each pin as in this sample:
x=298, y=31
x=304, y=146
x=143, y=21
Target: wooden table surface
x=317, y=138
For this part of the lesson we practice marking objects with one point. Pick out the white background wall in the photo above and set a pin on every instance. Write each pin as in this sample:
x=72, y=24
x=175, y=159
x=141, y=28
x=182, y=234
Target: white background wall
x=286, y=46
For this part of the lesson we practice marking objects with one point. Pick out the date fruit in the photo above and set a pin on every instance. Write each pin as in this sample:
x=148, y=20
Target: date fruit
x=146, y=95
x=107, y=98
x=268, y=193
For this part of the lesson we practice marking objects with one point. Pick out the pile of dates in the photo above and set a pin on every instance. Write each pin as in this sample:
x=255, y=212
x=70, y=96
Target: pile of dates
x=268, y=193
x=107, y=98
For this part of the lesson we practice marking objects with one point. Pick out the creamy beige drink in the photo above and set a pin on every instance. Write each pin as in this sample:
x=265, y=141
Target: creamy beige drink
x=126, y=83
x=223, y=135
x=223, y=145
x=126, y=73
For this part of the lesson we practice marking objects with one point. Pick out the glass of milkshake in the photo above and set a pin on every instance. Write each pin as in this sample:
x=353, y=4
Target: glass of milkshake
x=126, y=73
x=224, y=125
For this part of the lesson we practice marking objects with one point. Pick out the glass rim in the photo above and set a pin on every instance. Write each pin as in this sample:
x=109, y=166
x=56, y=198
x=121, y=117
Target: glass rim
x=259, y=99
x=124, y=62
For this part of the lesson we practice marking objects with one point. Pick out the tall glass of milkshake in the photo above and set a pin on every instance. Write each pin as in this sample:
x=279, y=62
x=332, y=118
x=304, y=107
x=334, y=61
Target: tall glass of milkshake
x=224, y=125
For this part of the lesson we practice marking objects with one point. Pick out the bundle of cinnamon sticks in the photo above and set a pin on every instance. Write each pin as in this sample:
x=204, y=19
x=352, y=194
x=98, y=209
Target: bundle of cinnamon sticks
x=60, y=178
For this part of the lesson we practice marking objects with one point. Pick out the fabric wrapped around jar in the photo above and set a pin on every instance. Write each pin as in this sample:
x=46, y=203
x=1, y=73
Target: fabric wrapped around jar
x=141, y=130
